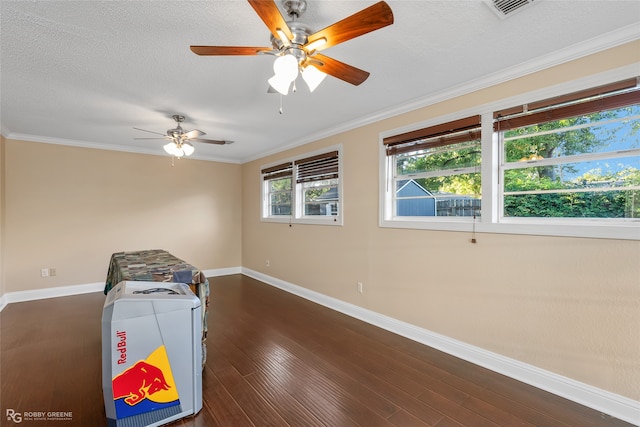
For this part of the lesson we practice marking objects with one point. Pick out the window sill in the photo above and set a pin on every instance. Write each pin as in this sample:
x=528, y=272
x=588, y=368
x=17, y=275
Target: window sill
x=587, y=229
x=333, y=220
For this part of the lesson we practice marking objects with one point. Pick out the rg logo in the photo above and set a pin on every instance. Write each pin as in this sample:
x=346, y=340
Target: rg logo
x=14, y=416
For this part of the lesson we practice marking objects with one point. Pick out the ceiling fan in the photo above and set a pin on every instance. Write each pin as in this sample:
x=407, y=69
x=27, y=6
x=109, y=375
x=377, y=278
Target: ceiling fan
x=297, y=47
x=180, y=144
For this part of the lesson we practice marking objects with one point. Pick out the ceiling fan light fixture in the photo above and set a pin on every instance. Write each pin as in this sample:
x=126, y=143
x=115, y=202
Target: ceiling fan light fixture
x=170, y=148
x=176, y=150
x=280, y=84
x=286, y=67
x=312, y=77
x=187, y=148
x=297, y=39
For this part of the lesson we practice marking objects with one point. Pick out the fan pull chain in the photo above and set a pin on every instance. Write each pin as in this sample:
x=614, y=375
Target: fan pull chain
x=473, y=232
x=280, y=111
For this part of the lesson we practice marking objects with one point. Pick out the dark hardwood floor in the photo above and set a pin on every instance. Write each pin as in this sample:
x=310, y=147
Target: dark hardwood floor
x=273, y=360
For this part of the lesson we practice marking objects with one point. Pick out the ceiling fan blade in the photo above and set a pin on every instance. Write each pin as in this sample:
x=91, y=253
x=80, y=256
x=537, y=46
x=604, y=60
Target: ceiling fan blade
x=268, y=11
x=144, y=130
x=228, y=50
x=340, y=70
x=211, y=141
x=193, y=134
x=372, y=18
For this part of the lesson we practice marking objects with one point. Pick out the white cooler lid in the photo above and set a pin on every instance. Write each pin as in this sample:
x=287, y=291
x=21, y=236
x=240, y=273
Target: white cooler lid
x=165, y=293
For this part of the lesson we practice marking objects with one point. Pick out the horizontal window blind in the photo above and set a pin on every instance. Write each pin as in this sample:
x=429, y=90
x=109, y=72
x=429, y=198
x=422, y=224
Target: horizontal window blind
x=616, y=95
x=453, y=132
x=279, y=171
x=315, y=168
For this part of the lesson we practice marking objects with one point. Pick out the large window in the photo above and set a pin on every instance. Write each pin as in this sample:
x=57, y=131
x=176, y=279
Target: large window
x=305, y=190
x=567, y=165
x=436, y=170
x=576, y=157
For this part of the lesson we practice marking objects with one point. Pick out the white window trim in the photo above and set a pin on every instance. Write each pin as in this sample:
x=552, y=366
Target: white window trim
x=491, y=220
x=296, y=205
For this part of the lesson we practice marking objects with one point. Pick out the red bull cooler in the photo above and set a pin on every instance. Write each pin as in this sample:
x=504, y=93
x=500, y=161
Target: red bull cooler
x=151, y=353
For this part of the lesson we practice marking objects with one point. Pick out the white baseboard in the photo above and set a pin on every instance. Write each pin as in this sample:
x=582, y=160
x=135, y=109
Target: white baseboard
x=601, y=400
x=222, y=271
x=61, y=291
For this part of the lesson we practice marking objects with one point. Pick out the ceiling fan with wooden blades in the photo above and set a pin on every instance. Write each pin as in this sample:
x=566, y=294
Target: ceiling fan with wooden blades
x=180, y=144
x=297, y=46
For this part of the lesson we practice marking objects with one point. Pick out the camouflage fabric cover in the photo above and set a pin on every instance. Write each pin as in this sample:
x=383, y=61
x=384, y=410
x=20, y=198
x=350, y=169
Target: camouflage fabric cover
x=158, y=265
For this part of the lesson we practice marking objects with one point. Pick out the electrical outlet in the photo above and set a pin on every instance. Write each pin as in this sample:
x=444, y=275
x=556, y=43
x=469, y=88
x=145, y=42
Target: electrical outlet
x=268, y=263
x=44, y=272
x=360, y=287
x=52, y=272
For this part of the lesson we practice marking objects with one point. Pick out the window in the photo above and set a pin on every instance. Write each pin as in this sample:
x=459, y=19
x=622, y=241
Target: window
x=567, y=165
x=304, y=190
x=277, y=181
x=317, y=181
x=435, y=171
x=573, y=157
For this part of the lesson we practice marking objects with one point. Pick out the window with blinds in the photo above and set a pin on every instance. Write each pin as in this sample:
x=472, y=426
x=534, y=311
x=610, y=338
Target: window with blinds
x=436, y=170
x=563, y=164
x=317, y=178
x=277, y=181
x=305, y=189
x=574, y=156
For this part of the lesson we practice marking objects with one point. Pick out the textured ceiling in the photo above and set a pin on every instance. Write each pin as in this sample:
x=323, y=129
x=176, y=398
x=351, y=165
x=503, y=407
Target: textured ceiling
x=86, y=72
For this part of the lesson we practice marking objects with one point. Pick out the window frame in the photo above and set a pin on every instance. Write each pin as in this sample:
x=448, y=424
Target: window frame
x=297, y=193
x=491, y=219
x=269, y=174
x=439, y=136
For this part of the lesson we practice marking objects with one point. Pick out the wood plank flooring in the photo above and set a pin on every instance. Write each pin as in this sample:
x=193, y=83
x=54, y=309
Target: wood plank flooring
x=273, y=360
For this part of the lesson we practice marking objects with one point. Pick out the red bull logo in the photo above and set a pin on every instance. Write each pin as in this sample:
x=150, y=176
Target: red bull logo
x=146, y=386
x=122, y=347
x=138, y=382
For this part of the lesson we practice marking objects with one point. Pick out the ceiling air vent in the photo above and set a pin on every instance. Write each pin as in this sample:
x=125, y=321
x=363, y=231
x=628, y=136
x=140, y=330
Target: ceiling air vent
x=505, y=8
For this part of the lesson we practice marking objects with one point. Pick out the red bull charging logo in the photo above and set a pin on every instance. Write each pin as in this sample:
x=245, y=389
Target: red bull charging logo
x=146, y=386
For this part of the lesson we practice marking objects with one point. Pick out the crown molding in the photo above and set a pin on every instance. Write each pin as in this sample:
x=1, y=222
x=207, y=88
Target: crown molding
x=109, y=147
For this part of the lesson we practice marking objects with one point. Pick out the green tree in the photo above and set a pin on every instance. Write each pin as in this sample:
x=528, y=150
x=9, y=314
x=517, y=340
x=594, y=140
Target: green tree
x=457, y=156
x=545, y=143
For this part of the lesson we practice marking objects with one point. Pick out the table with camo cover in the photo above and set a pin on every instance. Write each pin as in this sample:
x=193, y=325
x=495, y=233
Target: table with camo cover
x=157, y=265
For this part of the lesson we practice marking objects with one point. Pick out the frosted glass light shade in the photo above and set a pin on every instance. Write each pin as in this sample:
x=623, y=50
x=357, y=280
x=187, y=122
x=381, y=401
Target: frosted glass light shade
x=280, y=84
x=170, y=148
x=313, y=77
x=187, y=148
x=173, y=149
x=286, y=67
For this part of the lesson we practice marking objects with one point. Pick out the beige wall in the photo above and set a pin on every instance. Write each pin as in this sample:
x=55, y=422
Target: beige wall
x=2, y=209
x=567, y=305
x=70, y=208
